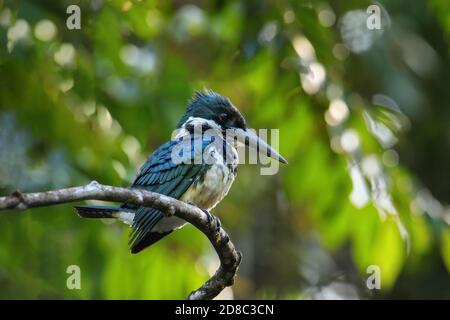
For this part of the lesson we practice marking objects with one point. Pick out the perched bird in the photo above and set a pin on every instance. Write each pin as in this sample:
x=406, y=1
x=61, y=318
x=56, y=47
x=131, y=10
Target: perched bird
x=196, y=168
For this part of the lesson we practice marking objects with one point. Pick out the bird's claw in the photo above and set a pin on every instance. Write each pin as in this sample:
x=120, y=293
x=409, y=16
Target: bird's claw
x=213, y=221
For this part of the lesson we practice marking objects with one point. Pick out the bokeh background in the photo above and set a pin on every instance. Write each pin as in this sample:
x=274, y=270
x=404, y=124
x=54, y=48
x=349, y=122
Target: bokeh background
x=363, y=118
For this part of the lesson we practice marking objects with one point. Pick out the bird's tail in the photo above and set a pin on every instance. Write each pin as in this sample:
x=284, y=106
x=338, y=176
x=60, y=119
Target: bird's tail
x=97, y=211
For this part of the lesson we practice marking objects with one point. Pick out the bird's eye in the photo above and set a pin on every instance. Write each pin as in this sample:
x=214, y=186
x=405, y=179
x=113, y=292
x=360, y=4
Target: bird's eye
x=223, y=116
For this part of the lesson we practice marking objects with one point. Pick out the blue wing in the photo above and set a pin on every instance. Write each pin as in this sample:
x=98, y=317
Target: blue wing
x=163, y=174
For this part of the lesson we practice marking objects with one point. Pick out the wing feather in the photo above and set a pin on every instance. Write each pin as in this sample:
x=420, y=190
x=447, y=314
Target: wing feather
x=160, y=174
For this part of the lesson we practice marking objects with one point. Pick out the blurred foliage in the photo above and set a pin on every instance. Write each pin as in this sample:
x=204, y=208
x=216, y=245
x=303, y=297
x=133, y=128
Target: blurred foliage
x=363, y=119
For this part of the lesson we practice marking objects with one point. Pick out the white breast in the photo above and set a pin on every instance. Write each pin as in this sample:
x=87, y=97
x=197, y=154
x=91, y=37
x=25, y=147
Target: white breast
x=206, y=193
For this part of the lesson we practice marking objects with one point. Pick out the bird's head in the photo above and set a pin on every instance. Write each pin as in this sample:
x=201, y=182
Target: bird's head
x=211, y=110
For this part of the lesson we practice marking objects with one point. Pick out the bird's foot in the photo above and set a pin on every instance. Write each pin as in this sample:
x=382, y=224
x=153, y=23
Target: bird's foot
x=215, y=226
x=214, y=221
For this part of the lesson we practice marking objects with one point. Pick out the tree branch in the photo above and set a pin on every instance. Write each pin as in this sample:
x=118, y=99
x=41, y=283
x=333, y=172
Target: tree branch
x=229, y=257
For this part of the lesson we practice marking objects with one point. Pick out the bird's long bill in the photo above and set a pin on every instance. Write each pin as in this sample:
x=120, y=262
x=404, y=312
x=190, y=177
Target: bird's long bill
x=251, y=140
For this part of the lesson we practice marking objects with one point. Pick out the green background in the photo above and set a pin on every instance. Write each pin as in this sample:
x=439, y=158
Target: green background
x=368, y=180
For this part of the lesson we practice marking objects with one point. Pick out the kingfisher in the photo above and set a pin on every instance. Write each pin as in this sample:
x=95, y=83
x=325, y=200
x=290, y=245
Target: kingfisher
x=197, y=166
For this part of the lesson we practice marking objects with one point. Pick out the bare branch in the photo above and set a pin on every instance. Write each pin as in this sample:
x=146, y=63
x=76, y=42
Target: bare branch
x=229, y=257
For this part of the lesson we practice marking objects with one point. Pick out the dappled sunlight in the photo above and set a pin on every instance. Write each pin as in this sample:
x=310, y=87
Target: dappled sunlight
x=45, y=30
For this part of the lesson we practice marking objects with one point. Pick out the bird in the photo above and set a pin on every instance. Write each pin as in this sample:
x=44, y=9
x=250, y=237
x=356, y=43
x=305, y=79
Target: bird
x=198, y=169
